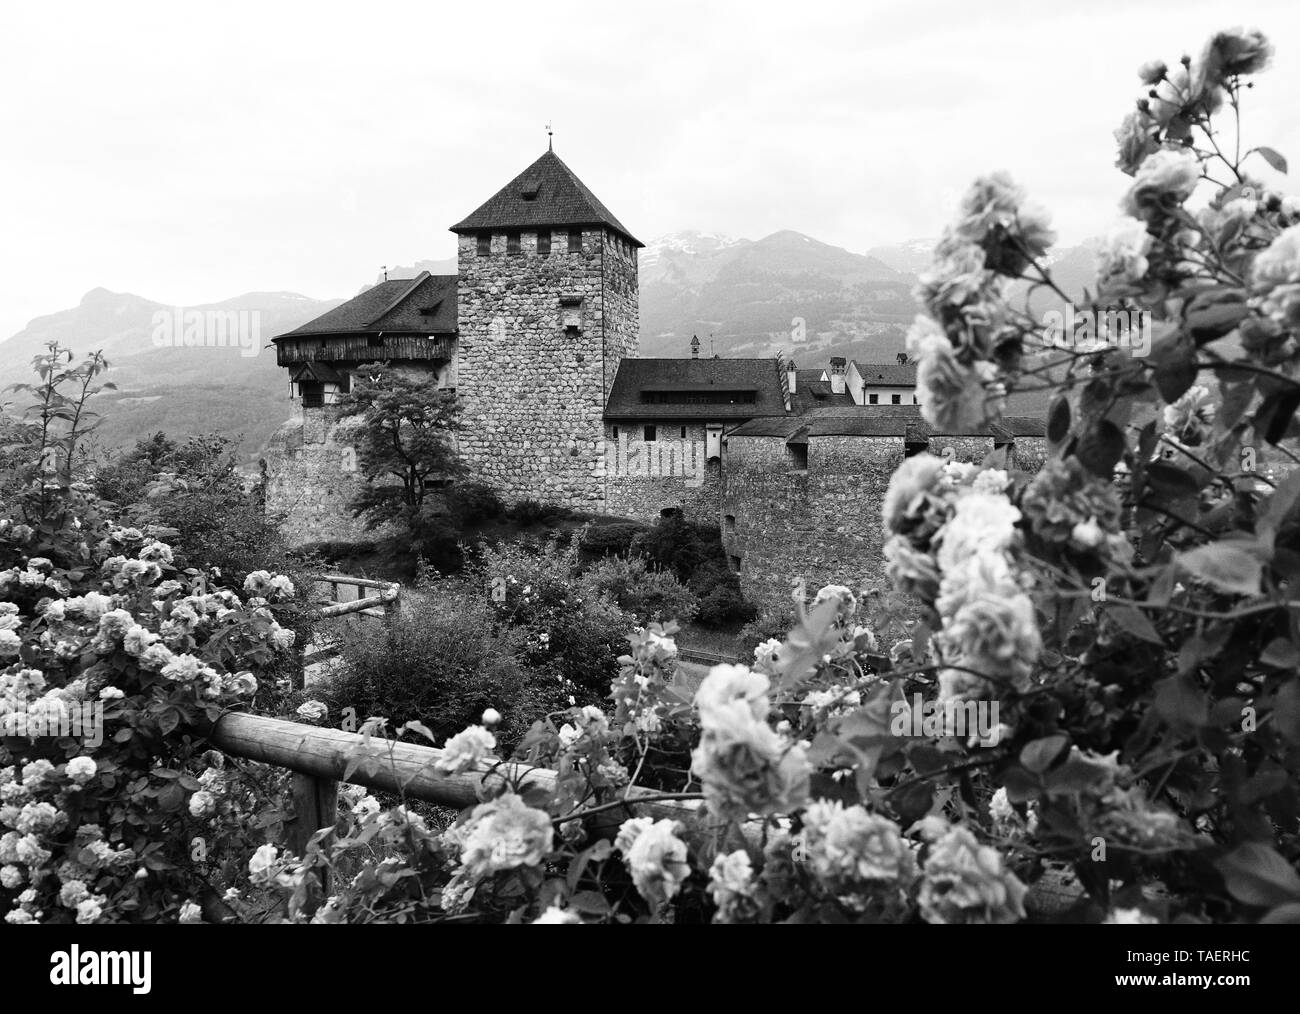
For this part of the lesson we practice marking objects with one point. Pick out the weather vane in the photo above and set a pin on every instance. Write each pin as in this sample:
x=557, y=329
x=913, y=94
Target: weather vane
x=549, y=145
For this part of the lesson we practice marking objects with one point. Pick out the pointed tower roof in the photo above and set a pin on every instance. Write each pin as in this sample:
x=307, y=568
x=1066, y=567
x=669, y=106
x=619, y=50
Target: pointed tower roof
x=546, y=193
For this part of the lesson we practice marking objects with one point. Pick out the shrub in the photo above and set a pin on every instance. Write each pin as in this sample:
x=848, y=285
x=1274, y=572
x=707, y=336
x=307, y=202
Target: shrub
x=614, y=539
x=441, y=661
x=531, y=512
x=572, y=635
x=469, y=502
x=649, y=596
x=768, y=625
x=694, y=553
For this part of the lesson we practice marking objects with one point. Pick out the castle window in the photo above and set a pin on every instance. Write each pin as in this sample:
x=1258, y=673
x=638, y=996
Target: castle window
x=896, y=399
x=649, y=433
x=683, y=432
x=731, y=522
x=543, y=243
x=485, y=244
x=575, y=241
x=798, y=456
x=873, y=399
x=735, y=563
x=313, y=394
x=615, y=432
x=512, y=243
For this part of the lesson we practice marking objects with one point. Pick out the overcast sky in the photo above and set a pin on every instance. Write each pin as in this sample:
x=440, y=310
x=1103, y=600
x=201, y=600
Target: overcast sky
x=190, y=153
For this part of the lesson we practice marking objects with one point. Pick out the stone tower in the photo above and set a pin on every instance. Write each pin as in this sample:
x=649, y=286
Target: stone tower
x=547, y=303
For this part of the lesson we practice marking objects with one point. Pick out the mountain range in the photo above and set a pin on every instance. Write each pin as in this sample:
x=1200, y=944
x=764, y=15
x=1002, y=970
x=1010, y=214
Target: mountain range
x=743, y=298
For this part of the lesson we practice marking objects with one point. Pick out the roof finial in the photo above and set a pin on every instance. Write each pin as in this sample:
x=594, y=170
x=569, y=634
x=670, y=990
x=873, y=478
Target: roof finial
x=549, y=145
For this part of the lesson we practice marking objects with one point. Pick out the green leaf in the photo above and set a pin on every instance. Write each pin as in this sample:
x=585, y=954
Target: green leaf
x=1038, y=755
x=1281, y=653
x=1134, y=621
x=912, y=801
x=1179, y=703
x=1058, y=420
x=1214, y=313
x=1273, y=417
x=171, y=798
x=1227, y=568
x=1174, y=358
x=1101, y=448
x=1277, y=507
x=1284, y=914
x=1273, y=157
x=589, y=902
x=1171, y=482
x=1256, y=874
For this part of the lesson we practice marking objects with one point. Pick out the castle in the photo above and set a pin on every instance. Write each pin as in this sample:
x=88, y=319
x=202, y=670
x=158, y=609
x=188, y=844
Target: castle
x=537, y=334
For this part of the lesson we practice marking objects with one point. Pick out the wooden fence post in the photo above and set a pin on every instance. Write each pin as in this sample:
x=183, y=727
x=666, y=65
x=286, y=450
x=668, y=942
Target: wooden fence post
x=315, y=805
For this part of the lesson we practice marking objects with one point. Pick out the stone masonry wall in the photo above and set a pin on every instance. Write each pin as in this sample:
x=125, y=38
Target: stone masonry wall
x=643, y=478
x=821, y=525
x=533, y=395
x=312, y=474
x=311, y=477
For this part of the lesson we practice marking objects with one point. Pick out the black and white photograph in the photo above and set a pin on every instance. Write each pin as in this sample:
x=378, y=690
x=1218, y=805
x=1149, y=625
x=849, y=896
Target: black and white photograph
x=686, y=464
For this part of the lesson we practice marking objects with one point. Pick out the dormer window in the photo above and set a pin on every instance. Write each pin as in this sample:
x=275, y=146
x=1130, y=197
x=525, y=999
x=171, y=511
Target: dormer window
x=485, y=244
x=529, y=189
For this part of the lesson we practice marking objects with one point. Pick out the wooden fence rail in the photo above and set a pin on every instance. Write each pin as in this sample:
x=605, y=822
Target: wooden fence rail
x=319, y=756
x=386, y=598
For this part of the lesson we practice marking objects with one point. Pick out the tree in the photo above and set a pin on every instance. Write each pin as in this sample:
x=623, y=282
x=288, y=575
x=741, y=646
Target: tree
x=407, y=433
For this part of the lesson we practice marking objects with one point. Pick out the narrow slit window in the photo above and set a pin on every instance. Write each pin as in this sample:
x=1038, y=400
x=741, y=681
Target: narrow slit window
x=485, y=244
x=649, y=433
x=575, y=241
x=543, y=243
x=512, y=243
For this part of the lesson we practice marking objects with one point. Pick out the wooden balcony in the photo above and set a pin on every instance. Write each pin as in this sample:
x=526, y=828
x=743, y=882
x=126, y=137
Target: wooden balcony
x=346, y=348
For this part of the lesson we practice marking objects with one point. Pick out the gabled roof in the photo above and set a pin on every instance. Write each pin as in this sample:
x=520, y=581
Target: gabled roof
x=694, y=376
x=425, y=304
x=546, y=193
x=886, y=374
x=320, y=372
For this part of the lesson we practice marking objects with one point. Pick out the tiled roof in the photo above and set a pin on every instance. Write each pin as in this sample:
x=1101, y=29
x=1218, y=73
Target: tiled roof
x=861, y=421
x=422, y=305
x=814, y=394
x=692, y=376
x=887, y=374
x=546, y=193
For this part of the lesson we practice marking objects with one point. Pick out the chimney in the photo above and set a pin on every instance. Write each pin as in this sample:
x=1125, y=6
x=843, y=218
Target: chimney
x=790, y=376
x=838, y=365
